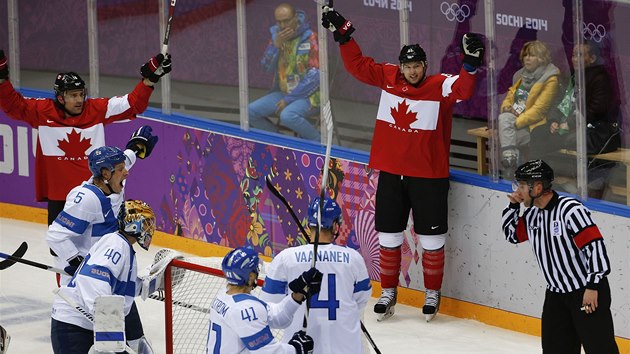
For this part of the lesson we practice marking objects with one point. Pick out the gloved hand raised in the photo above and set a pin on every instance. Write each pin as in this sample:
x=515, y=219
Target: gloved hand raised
x=341, y=28
x=302, y=342
x=4, y=66
x=473, y=49
x=74, y=264
x=309, y=282
x=142, y=141
x=156, y=67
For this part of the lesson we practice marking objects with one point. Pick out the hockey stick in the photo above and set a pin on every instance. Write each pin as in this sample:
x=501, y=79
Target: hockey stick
x=17, y=254
x=84, y=312
x=180, y=303
x=169, y=23
x=33, y=264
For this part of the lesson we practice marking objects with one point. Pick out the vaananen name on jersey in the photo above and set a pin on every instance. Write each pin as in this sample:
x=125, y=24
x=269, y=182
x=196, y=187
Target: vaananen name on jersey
x=331, y=256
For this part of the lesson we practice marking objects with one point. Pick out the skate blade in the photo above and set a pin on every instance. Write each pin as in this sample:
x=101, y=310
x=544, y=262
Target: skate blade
x=383, y=316
x=429, y=317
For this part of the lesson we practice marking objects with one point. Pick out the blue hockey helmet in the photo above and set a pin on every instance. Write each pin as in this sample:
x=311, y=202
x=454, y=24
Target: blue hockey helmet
x=136, y=219
x=105, y=157
x=237, y=265
x=332, y=212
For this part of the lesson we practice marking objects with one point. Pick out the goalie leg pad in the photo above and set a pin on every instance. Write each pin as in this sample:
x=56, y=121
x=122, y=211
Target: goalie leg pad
x=109, y=323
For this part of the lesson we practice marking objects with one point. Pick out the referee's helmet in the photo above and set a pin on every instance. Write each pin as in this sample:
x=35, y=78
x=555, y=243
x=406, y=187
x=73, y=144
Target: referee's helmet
x=535, y=170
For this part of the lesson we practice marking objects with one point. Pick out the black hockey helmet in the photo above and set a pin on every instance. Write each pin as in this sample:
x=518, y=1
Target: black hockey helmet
x=68, y=81
x=412, y=52
x=535, y=170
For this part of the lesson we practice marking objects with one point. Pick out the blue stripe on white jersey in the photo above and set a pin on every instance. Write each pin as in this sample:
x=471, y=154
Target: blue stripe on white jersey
x=273, y=286
x=71, y=223
x=110, y=223
x=258, y=340
x=363, y=285
x=97, y=272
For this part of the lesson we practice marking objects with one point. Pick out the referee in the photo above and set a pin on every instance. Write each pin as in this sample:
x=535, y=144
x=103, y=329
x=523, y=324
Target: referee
x=571, y=254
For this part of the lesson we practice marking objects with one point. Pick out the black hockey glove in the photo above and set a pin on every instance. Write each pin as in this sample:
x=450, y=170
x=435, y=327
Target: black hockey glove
x=156, y=67
x=473, y=48
x=4, y=66
x=302, y=342
x=341, y=28
x=74, y=265
x=308, y=283
x=142, y=142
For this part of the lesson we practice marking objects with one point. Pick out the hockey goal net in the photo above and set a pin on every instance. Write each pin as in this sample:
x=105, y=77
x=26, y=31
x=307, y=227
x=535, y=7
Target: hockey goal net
x=191, y=284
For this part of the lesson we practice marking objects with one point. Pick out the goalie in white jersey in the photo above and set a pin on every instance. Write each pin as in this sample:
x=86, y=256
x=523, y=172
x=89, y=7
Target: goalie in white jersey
x=109, y=268
x=240, y=322
x=335, y=312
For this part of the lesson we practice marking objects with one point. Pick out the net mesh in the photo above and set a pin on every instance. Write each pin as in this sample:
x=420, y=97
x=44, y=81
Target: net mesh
x=193, y=291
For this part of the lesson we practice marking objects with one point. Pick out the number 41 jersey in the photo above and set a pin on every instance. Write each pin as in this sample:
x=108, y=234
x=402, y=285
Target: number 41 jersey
x=335, y=312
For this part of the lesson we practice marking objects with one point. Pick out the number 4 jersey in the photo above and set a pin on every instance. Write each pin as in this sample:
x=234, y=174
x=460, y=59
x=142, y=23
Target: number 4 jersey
x=335, y=312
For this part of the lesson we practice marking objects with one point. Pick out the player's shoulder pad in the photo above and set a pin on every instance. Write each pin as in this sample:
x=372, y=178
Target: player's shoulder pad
x=248, y=297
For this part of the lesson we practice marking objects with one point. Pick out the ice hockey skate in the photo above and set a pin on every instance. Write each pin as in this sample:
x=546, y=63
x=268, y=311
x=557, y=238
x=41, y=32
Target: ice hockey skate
x=431, y=304
x=384, y=307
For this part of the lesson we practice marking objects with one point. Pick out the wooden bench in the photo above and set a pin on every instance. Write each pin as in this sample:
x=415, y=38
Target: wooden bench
x=620, y=155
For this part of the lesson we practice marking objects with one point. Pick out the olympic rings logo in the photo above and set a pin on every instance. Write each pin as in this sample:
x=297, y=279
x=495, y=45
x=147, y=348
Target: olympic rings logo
x=594, y=32
x=454, y=12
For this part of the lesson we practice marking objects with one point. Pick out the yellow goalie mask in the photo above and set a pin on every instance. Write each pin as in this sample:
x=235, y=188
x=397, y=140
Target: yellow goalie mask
x=136, y=219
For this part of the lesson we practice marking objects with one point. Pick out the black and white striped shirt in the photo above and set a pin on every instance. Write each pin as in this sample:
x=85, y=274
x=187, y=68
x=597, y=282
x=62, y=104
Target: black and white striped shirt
x=568, y=245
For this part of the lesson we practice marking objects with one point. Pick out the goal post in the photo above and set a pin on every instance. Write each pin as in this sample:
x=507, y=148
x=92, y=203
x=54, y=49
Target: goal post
x=190, y=286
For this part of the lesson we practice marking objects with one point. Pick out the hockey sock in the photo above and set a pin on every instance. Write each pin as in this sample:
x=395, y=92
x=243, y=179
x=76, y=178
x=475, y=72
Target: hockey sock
x=390, y=266
x=433, y=268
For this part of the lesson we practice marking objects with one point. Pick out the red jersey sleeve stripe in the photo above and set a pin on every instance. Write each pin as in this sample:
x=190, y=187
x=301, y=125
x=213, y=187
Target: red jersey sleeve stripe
x=587, y=236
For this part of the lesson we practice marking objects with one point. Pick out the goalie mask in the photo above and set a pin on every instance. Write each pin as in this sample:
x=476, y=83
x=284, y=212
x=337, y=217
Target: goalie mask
x=332, y=213
x=136, y=219
x=105, y=157
x=238, y=264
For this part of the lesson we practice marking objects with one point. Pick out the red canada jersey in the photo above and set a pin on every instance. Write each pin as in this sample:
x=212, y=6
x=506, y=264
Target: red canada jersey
x=412, y=135
x=63, y=144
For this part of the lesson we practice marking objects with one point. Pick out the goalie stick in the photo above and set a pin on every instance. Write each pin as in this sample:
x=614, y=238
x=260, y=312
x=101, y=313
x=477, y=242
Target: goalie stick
x=17, y=254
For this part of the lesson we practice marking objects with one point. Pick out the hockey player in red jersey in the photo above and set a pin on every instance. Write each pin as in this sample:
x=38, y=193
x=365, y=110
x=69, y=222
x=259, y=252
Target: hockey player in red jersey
x=72, y=125
x=410, y=147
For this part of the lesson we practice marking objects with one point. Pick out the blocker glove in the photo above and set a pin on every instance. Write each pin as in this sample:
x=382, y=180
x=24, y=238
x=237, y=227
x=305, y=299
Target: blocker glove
x=473, y=48
x=341, y=28
x=74, y=264
x=4, y=66
x=310, y=282
x=156, y=67
x=302, y=342
x=142, y=141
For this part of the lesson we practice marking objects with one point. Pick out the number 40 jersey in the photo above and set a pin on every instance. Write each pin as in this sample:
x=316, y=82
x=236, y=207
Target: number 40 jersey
x=335, y=312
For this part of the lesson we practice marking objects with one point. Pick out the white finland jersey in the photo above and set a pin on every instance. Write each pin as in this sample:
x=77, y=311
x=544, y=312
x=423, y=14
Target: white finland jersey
x=240, y=323
x=335, y=312
x=87, y=215
x=109, y=269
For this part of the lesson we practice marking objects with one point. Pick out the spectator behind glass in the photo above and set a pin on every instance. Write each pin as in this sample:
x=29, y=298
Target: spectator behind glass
x=293, y=54
x=600, y=108
x=527, y=102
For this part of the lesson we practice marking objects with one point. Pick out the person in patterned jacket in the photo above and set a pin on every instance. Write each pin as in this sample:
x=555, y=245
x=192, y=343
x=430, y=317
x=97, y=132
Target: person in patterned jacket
x=72, y=125
x=410, y=147
x=293, y=54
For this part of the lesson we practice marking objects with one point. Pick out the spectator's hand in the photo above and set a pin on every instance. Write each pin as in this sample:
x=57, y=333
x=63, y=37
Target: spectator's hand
x=473, y=49
x=553, y=127
x=563, y=128
x=156, y=67
x=4, y=66
x=341, y=28
x=74, y=264
x=280, y=106
x=302, y=342
x=142, y=141
x=310, y=282
x=284, y=35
